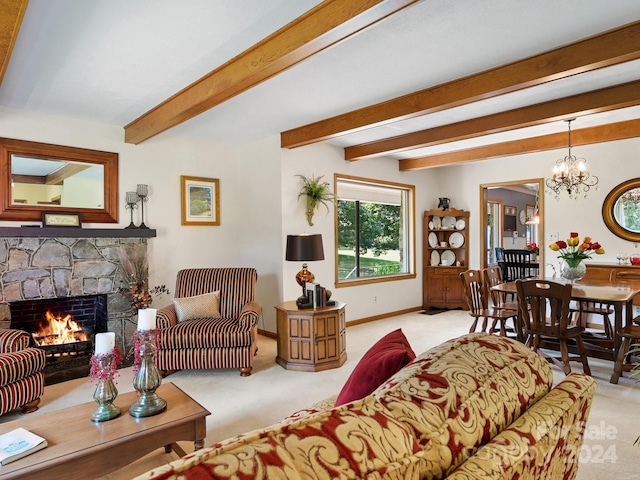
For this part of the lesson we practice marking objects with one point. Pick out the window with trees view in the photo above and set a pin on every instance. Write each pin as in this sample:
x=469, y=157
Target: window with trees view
x=375, y=230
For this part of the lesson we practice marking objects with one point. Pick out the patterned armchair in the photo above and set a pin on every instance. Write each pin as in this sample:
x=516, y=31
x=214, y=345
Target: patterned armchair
x=222, y=339
x=21, y=372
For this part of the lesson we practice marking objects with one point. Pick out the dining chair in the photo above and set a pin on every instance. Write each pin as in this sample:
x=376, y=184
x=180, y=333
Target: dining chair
x=545, y=315
x=582, y=310
x=517, y=264
x=492, y=276
x=630, y=345
x=476, y=296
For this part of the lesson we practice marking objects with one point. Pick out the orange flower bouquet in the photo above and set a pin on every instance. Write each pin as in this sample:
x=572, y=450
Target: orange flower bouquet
x=573, y=251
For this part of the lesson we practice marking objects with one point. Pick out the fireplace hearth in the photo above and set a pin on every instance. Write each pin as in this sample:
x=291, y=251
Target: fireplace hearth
x=65, y=329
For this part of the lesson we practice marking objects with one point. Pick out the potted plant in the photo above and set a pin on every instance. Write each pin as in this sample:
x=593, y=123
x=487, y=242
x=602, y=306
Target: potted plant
x=317, y=192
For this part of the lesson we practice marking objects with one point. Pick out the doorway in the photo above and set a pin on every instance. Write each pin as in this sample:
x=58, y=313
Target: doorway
x=507, y=215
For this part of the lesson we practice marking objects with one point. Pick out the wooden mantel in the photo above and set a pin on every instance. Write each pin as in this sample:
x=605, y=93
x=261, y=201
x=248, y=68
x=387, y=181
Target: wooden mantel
x=71, y=232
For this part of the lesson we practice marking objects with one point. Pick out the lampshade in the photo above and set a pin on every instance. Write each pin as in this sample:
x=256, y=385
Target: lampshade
x=304, y=248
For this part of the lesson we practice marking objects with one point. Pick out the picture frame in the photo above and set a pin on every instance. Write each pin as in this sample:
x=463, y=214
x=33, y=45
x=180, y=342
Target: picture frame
x=200, y=201
x=510, y=218
x=61, y=219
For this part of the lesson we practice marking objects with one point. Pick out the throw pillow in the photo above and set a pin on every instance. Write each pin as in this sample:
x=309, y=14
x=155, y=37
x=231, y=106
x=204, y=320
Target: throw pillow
x=200, y=306
x=385, y=358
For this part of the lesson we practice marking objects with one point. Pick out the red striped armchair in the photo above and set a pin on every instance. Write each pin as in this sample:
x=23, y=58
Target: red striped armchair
x=21, y=372
x=204, y=337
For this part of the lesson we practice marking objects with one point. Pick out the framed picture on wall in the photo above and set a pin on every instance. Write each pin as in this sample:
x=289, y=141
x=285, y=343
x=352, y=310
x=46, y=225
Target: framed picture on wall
x=510, y=218
x=200, y=200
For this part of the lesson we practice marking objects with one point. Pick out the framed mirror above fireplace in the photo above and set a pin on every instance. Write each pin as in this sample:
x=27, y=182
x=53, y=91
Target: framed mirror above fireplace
x=39, y=177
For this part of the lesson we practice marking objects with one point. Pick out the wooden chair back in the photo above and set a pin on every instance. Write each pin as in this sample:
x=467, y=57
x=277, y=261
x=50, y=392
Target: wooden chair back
x=474, y=291
x=517, y=265
x=492, y=276
x=544, y=307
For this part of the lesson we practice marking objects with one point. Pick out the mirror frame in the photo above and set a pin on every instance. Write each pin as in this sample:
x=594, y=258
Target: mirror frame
x=607, y=210
x=483, y=216
x=10, y=211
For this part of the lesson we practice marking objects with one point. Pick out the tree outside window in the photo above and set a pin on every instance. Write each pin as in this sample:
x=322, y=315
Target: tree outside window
x=375, y=230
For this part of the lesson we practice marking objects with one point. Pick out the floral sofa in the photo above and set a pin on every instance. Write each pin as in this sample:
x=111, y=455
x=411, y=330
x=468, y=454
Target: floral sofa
x=476, y=407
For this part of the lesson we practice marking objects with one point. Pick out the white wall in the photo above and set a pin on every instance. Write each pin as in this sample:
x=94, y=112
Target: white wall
x=260, y=206
x=612, y=162
x=249, y=233
x=326, y=160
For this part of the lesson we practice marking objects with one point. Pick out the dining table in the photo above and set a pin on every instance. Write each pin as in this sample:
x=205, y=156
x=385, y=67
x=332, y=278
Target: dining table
x=618, y=294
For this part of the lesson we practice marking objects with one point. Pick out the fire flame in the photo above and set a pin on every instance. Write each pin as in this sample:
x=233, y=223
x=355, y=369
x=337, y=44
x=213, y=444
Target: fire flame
x=59, y=330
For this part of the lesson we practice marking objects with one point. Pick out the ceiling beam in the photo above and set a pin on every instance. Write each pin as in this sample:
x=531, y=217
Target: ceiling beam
x=326, y=24
x=603, y=100
x=583, y=136
x=11, y=15
x=606, y=49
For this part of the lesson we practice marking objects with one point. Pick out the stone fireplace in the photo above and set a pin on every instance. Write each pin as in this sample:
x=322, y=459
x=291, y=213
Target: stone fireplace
x=42, y=266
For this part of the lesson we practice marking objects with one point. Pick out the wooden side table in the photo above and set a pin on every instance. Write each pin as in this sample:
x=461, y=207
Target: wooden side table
x=311, y=340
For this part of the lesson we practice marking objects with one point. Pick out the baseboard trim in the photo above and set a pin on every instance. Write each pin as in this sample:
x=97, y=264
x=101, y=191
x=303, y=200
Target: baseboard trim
x=268, y=334
x=383, y=315
x=356, y=322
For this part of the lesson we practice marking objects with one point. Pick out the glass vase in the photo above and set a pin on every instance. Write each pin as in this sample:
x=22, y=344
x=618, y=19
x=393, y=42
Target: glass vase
x=573, y=273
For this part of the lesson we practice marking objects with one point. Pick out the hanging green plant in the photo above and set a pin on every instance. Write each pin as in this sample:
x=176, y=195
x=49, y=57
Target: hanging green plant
x=317, y=193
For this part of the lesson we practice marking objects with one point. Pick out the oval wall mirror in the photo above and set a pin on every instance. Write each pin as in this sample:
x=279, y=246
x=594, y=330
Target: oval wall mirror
x=621, y=210
x=39, y=177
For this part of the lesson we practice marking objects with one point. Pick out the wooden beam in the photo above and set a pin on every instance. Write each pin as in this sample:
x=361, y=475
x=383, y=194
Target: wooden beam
x=11, y=15
x=603, y=100
x=326, y=24
x=583, y=136
x=606, y=49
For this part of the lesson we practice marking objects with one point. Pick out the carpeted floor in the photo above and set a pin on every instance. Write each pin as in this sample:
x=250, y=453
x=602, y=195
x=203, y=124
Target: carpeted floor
x=240, y=404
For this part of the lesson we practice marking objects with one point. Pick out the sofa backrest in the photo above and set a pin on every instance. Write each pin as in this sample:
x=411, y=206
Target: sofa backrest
x=236, y=285
x=460, y=394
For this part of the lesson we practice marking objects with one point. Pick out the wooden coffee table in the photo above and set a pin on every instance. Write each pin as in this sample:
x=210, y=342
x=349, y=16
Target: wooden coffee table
x=80, y=449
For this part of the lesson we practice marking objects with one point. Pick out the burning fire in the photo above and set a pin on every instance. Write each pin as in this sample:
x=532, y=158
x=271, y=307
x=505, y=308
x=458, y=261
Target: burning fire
x=59, y=330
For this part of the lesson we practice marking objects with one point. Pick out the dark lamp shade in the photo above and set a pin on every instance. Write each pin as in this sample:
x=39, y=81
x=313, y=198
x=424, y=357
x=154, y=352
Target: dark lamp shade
x=304, y=248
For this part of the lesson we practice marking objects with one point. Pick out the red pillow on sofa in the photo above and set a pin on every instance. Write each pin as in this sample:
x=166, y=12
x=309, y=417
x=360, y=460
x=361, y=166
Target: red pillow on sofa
x=386, y=357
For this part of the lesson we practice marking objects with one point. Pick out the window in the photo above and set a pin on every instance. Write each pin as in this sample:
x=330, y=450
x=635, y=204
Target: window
x=375, y=231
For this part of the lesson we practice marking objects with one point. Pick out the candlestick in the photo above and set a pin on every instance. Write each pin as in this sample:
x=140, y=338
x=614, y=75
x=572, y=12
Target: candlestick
x=142, y=192
x=147, y=381
x=132, y=202
x=104, y=342
x=147, y=319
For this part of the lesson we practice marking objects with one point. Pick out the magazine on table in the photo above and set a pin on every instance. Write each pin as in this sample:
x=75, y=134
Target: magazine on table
x=19, y=443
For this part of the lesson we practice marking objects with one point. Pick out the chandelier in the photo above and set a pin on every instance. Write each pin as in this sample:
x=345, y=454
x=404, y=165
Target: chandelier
x=570, y=174
x=631, y=196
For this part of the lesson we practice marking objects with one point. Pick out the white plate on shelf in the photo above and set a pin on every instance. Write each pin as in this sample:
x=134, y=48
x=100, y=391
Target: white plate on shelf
x=460, y=224
x=430, y=225
x=448, y=258
x=435, y=258
x=433, y=240
x=448, y=222
x=456, y=240
x=437, y=222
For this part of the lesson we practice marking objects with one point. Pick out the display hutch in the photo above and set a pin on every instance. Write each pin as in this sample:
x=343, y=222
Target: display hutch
x=446, y=255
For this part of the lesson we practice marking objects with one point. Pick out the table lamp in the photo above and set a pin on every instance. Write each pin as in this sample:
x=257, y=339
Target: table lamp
x=304, y=248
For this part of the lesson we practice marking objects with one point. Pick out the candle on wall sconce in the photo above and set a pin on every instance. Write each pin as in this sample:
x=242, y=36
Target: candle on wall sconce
x=142, y=191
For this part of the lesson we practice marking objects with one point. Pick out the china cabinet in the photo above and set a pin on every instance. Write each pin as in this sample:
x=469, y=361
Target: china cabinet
x=446, y=255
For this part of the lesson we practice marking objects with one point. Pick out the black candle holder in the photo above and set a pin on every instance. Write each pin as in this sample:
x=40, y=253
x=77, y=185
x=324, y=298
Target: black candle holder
x=142, y=192
x=132, y=202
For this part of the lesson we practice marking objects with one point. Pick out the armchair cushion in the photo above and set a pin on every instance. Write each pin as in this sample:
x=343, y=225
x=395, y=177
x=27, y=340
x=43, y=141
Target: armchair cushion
x=199, y=306
x=17, y=365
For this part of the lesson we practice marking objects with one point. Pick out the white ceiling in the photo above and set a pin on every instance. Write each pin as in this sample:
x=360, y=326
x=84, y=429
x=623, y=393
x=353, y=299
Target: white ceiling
x=111, y=61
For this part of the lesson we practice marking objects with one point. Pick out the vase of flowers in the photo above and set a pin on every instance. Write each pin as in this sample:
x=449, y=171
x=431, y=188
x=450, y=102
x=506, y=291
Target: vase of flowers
x=534, y=249
x=573, y=252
